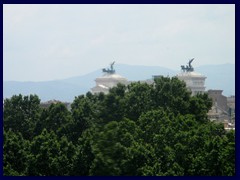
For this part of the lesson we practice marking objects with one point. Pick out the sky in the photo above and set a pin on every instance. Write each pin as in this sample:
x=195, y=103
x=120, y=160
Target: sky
x=49, y=42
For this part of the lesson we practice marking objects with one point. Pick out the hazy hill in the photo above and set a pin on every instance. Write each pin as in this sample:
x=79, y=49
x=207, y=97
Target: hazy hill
x=58, y=90
x=218, y=77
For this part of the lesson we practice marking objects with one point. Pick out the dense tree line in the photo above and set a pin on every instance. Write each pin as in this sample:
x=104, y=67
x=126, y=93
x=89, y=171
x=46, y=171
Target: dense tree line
x=140, y=129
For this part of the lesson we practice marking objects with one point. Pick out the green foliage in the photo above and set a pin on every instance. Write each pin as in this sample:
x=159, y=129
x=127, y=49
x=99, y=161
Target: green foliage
x=199, y=106
x=82, y=110
x=55, y=118
x=15, y=151
x=50, y=155
x=171, y=93
x=84, y=154
x=138, y=100
x=135, y=130
x=111, y=106
x=21, y=114
x=116, y=150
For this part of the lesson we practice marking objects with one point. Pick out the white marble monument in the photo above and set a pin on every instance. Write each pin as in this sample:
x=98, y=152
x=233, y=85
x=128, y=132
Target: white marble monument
x=108, y=80
x=194, y=81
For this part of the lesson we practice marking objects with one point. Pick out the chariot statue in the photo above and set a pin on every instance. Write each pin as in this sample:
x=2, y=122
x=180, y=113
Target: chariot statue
x=111, y=70
x=189, y=67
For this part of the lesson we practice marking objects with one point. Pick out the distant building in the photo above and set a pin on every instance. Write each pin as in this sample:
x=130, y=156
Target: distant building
x=223, y=108
x=108, y=80
x=48, y=103
x=231, y=102
x=219, y=100
x=219, y=110
x=228, y=126
x=231, y=108
x=194, y=81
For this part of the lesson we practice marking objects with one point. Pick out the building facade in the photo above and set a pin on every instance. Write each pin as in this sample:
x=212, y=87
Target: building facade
x=108, y=80
x=195, y=82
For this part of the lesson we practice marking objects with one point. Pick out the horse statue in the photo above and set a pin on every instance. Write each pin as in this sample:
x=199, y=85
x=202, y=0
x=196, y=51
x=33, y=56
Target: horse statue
x=111, y=70
x=189, y=67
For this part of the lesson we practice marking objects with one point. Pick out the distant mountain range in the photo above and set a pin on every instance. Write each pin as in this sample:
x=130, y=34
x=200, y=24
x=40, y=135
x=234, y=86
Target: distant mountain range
x=218, y=77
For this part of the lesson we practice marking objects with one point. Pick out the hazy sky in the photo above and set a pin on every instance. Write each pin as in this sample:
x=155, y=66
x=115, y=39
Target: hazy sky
x=46, y=42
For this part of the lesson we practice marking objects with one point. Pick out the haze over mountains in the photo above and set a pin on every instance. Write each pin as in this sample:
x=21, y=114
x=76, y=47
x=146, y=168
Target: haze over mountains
x=218, y=77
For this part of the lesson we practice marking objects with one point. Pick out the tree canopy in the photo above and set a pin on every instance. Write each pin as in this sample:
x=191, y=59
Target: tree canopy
x=140, y=129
